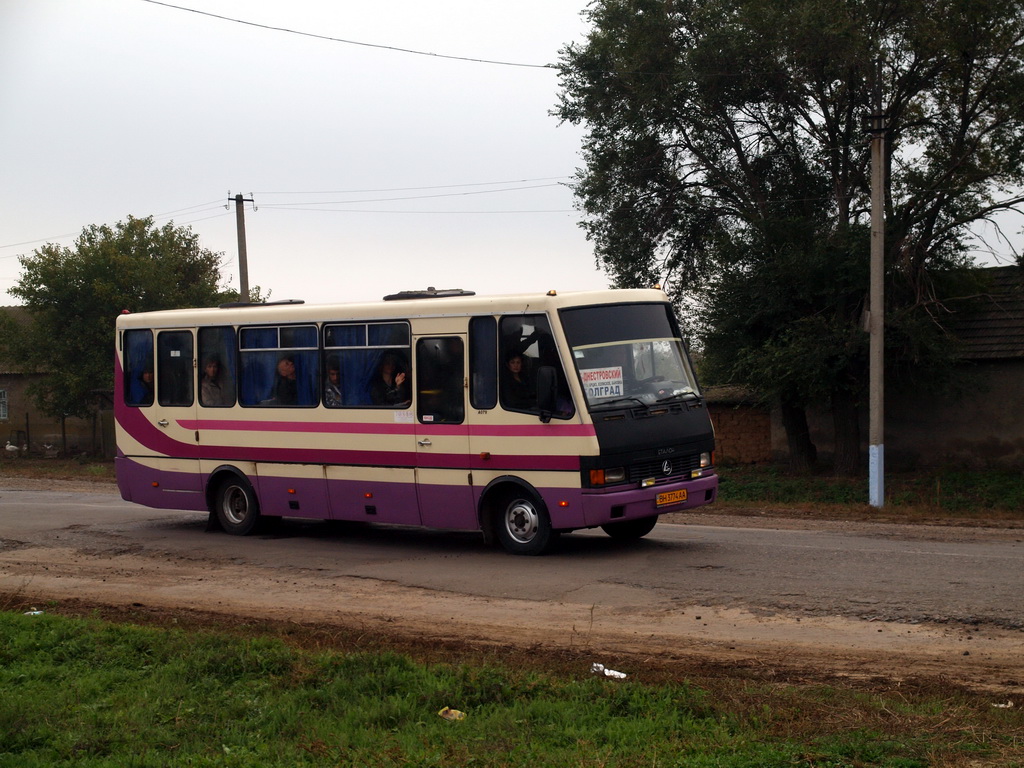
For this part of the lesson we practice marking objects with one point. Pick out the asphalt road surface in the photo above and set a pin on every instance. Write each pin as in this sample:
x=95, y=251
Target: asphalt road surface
x=841, y=598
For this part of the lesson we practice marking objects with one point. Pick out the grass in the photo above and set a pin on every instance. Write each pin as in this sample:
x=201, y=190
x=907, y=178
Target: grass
x=951, y=494
x=87, y=692
x=98, y=470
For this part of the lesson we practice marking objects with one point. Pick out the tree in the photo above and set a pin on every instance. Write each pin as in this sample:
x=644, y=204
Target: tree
x=74, y=295
x=726, y=159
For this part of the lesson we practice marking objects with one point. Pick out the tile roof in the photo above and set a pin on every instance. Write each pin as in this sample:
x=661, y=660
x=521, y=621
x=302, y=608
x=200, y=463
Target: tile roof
x=991, y=327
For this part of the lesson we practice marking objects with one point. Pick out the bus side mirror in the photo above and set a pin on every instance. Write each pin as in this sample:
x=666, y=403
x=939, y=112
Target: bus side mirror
x=547, y=391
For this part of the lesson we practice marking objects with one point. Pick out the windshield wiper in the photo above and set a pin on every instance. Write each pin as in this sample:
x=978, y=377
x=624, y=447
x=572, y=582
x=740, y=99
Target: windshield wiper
x=626, y=399
x=691, y=395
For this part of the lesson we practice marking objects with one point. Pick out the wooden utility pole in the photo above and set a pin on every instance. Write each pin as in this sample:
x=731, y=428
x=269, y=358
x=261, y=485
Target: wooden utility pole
x=243, y=261
x=876, y=307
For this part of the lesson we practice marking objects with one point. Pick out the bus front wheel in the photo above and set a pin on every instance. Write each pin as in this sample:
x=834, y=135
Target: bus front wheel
x=523, y=526
x=238, y=509
x=628, y=530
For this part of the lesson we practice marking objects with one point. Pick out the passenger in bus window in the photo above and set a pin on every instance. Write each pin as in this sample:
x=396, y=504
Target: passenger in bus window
x=286, y=387
x=390, y=386
x=516, y=390
x=332, y=389
x=211, y=390
x=146, y=378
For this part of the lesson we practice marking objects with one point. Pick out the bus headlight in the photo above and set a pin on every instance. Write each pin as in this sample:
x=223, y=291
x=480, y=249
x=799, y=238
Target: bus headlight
x=706, y=460
x=607, y=476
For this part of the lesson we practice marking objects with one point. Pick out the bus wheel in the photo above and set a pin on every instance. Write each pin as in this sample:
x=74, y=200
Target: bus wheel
x=237, y=508
x=523, y=525
x=628, y=530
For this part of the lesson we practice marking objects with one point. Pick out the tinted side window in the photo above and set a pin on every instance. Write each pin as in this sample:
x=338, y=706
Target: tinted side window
x=137, y=357
x=483, y=362
x=441, y=381
x=217, y=372
x=174, y=368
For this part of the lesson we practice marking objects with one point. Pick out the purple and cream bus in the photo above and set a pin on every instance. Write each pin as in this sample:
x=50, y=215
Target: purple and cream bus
x=522, y=417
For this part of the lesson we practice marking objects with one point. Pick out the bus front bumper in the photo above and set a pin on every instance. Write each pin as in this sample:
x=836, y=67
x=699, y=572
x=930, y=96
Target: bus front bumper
x=610, y=505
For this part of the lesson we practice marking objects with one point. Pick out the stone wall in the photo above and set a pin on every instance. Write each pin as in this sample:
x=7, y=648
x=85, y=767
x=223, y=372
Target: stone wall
x=981, y=427
x=742, y=427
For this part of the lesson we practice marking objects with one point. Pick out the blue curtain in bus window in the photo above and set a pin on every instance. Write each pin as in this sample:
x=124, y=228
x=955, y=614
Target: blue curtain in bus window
x=298, y=336
x=256, y=380
x=279, y=378
x=307, y=376
x=345, y=336
x=137, y=358
x=388, y=335
x=217, y=371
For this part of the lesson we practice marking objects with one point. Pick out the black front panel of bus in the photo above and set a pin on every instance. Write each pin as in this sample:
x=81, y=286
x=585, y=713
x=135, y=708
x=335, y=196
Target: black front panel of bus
x=639, y=437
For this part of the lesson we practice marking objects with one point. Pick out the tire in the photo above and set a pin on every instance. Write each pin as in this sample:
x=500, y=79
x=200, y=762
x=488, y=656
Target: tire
x=523, y=525
x=236, y=505
x=630, y=530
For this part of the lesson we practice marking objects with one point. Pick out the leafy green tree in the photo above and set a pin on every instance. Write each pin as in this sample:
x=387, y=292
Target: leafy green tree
x=726, y=159
x=74, y=295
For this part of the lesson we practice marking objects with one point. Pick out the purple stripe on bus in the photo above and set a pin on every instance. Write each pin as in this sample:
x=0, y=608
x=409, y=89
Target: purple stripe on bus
x=140, y=428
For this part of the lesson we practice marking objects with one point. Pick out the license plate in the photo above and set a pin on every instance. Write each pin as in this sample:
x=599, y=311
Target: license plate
x=671, y=497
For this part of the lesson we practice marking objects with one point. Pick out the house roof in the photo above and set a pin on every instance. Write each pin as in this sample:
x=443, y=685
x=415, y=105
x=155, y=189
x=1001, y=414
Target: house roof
x=991, y=327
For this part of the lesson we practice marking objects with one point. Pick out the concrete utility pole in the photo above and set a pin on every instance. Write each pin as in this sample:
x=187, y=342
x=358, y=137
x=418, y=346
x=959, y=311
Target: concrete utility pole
x=876, y=308
x=243, y=262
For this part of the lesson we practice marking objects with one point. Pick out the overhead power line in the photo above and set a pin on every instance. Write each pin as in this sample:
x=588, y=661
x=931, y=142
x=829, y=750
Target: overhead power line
x=410, y=197
x=351, y=42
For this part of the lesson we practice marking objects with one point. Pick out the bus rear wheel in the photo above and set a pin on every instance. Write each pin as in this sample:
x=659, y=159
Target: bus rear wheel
x=238, y=509
x=629, y=530
x=523, y=525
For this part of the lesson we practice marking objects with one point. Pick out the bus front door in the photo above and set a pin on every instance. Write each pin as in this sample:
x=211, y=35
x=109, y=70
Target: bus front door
x=442, y=436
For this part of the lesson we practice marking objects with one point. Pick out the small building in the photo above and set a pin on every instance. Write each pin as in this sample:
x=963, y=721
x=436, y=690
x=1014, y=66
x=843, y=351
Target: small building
x=23, y=425
x=979, y=426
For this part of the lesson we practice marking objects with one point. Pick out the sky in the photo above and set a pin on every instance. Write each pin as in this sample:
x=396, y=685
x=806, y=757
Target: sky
x=373, y=168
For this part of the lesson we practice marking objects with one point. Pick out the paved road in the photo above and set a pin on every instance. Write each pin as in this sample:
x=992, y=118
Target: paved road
x=889, y=573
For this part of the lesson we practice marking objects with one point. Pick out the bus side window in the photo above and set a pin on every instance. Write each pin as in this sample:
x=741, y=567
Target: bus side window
x=368, y=357
x=217, y=367
x=279, y=366
x=483, y=363
x=138, y=367
x=526, y=345
x=174, y=368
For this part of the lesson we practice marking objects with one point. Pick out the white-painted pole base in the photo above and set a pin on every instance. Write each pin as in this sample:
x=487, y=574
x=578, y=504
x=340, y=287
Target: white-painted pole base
x=876, y=475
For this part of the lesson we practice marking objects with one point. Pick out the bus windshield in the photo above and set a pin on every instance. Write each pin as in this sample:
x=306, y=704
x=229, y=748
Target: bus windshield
x=629, y=354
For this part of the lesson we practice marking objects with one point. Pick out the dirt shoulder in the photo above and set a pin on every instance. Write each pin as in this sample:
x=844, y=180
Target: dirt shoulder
x=642, y=638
